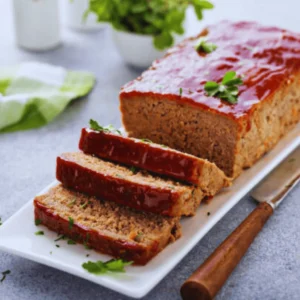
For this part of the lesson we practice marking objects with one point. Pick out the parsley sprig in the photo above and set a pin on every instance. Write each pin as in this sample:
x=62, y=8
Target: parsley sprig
x=95, y=126
x=205, y=46
x=228, y=88
x=99, y=267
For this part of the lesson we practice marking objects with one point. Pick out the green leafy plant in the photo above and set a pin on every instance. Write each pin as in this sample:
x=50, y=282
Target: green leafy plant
x=159, y=18
x=228, y=88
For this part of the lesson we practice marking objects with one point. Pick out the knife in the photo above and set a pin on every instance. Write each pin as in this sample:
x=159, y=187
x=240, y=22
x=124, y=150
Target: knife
x=208, y=279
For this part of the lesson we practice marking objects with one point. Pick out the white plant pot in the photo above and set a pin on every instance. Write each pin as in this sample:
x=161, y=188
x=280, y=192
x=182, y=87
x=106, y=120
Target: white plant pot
x=37, y=25
x=74, y=11
x=137, y=49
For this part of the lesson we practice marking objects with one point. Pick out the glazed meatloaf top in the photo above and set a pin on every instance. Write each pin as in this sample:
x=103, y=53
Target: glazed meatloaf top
x=110, y=228
x=265, y=57
x=153, y=157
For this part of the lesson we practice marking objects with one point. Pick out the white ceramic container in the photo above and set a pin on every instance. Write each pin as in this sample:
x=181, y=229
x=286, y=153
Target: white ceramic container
x=138, y=49
x=74, y=11
x=37, y=24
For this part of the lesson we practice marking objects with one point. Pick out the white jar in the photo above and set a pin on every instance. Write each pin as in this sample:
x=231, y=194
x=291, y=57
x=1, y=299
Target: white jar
x=73, y=13
x=37, y=24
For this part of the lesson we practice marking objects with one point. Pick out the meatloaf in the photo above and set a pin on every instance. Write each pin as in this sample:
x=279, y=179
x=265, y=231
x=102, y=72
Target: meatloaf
x=96, y=177
x=106, y=226
x=153, y=157
x=168, y=103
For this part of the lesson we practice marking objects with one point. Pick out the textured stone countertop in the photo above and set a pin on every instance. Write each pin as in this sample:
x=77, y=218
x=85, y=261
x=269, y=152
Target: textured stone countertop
x=271, y=268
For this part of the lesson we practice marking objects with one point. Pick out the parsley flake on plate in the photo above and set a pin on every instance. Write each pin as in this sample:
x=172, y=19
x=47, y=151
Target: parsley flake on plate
x=39, y=232
x=99, y=267
x=4, y=274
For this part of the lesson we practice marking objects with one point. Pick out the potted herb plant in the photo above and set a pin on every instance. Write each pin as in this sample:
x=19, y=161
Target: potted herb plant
x=144, y=29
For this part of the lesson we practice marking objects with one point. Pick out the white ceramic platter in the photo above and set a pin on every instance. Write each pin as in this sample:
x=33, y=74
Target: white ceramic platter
x=17, y=234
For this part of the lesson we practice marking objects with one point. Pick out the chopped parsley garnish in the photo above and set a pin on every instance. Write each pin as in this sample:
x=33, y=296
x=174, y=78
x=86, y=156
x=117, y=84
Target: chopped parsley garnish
x=205, y=46
x=95, y=126
x=99, y=267
x=72, y=202
x=84, y=205
x=0, y=221
x=4, y=274
x=227, y=90
x=138, y=237
x=71, y=223
x=39, y=233
x=180, y=91
x=62, y=237
x=146, y=141
x=37, y=222
x=133, y=170
x=86, y=246
x=71, y=242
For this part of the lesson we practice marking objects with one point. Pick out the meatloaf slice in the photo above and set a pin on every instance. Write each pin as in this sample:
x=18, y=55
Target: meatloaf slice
x=105, y=226
x=168, y=103
x=154, y=157
x=96, y=177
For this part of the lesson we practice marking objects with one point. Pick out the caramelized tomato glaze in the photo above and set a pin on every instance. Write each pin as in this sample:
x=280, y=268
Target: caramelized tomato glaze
x=138, y=196
x=265, y=57
x=138, y=154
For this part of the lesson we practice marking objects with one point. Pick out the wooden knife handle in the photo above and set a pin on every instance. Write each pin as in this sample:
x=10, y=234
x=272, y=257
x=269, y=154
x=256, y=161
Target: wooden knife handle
x=208, y=279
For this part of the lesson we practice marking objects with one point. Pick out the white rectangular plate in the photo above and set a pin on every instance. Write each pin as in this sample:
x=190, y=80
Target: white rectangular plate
x=17, y=234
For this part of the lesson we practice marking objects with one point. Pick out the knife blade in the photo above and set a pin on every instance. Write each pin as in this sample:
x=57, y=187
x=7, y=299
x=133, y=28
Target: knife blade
x=208, y=279
x=275, y=187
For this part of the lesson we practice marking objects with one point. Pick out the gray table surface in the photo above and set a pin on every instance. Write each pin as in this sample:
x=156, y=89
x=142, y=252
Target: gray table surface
x=271, y=268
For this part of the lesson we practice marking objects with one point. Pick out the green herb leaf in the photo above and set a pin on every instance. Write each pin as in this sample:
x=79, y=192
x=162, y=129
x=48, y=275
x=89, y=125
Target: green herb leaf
x=180, y=92
x=84, y=205
x=227, y=90
x=138, y=237
x=133, y=170
x=72, y=202
x=62, y=237
x=110, y=128
x=146, y=141
x=57, y=246
x=71, y=223
x=0, y=221
x=204, y=46
x=39, y=233
x=99, y=267
x=37, y=222
x=71, y=242
x=4, y=274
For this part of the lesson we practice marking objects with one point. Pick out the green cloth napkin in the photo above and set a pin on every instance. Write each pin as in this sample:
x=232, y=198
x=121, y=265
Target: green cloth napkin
x=33, y=94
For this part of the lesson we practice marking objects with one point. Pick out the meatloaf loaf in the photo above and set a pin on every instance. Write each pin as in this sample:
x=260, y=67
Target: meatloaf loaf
x=168, y=103
x=106, y=226
x=96, y=177
x=153, y=157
